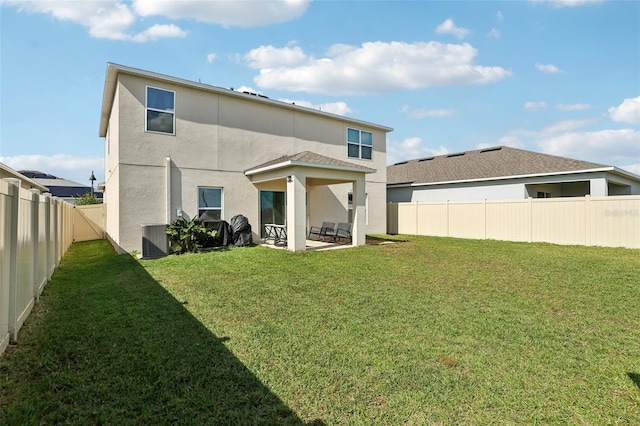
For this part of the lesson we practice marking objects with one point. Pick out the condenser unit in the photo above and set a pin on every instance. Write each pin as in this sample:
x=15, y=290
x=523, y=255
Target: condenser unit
x=155, y=242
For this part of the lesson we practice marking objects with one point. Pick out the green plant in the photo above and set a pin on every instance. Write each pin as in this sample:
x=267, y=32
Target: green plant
x=86, y=199
x=188, y=236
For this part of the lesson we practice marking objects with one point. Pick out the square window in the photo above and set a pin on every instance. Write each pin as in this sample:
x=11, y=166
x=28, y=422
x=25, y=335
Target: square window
x=359, y=144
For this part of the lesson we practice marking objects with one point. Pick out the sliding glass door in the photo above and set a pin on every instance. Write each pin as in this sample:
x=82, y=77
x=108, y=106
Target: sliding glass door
x=272, y=209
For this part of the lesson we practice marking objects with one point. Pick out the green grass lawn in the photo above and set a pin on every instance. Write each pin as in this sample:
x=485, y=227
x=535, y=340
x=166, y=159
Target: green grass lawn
x=426, y=331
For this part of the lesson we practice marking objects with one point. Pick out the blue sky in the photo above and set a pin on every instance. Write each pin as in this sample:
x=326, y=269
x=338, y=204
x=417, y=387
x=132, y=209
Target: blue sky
x=560, y=77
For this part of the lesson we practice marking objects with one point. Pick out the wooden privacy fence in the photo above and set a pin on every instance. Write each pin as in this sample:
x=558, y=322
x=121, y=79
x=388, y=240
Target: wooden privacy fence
x=35, y=232
x=591, y=221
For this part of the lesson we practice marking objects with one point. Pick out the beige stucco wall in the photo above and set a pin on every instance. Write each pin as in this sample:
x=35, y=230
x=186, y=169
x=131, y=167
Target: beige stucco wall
x=217, y=137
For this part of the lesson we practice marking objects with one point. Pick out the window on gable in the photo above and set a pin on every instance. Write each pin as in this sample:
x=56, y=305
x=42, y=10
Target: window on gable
x=210, y=202
x=359, y=144
x=160, y=114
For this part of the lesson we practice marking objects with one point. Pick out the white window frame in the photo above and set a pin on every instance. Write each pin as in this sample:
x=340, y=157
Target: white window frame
x=220, y=209
x=148, y=108
x=359, y=144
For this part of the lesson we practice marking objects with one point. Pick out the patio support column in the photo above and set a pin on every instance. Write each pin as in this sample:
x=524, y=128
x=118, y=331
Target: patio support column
x=359, y=218
x=296, y=212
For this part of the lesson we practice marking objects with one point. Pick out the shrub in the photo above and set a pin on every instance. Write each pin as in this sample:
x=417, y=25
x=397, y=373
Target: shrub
x=188, y=236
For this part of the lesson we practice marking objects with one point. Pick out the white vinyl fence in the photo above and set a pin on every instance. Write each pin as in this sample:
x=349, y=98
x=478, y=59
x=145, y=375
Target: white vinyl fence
x=35, y=232
x=590, y=221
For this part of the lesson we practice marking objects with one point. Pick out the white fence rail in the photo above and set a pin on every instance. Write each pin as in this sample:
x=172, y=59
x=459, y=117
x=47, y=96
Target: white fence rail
x=590, y=221
x=35, y=233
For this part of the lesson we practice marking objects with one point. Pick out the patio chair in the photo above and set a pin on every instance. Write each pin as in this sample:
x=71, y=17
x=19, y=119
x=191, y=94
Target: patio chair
x=342, y=231
x=322, y=231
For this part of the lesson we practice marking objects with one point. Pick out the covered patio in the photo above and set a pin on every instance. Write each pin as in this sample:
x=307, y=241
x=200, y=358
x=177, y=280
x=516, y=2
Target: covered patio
x=294, y=176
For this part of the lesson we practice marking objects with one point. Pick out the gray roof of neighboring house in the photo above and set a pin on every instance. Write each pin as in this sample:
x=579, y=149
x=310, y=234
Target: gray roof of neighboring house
x=6, y=171
x=309, y=159
x=47, y=179
x=59, y=187
x=487, y=164
x=111, y=79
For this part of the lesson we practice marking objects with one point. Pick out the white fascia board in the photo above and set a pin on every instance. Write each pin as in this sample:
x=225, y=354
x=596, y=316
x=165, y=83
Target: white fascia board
x=492, y=179
x=306, y=164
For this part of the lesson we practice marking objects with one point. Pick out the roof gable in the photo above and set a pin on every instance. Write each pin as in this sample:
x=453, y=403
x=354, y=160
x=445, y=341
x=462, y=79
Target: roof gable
x=489, y=163
x=308, y=159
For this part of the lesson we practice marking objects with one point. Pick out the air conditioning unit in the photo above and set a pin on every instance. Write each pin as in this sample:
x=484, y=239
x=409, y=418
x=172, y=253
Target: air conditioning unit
x=155, y=242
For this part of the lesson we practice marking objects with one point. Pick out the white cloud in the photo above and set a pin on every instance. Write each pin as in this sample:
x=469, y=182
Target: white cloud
x=494, y=33
x=448, y=27
x=266, y=57
x=535, y=106
x=226, y=13
x=338, y=108
x=573, y=107
x=104, y=18
x=548, y=68
x=499, y=16
x=610, y=147
x=243, y=89
x=567, y=125
x=211, y=57
x=159, y=31
x=71, y=167
x=424, y=113
x=115, y=19
x=627, y=112
x=373, y=67
x=568, y=3
x=409, y=149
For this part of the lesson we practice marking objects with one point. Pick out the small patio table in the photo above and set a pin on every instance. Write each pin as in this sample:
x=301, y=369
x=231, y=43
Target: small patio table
x=277, y=233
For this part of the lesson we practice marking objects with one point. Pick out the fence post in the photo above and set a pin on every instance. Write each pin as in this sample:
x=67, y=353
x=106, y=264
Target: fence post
x=14, y=191
x=447, y=217
x=35, y=232
x=47, y=235
x=484, y=209
x=587, y=220
x=56, y=233
x=530, y=219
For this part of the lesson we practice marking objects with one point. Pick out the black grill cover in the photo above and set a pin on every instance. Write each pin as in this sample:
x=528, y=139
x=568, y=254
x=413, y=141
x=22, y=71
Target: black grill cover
x=241, y=231
x=222, y=227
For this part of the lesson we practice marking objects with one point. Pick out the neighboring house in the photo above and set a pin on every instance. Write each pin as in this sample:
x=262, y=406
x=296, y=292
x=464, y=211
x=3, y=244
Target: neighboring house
x=65, y=189
x=7, y=172
x=175, y=147
x=504, y=173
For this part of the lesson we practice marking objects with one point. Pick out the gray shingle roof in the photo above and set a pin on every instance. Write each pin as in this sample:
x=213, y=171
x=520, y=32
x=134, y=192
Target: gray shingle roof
x=311, y=158
x=486, y=163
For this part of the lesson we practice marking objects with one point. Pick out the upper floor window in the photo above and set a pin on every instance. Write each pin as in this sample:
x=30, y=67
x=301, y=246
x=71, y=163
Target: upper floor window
x=359, y=144
x=161, y=113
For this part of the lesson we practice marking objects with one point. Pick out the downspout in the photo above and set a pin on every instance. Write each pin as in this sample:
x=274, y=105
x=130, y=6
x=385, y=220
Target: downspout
x=168, y=188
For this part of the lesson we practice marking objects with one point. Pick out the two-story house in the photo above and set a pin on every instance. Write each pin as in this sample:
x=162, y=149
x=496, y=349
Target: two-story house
x=175, y=147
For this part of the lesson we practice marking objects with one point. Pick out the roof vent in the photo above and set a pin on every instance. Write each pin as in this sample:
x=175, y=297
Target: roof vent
x=457, y=154
x=495, y=148
x=402, y=162
x=426, y=159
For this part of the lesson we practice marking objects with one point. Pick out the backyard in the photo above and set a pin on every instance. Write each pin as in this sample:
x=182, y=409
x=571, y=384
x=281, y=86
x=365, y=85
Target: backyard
x=420, y=331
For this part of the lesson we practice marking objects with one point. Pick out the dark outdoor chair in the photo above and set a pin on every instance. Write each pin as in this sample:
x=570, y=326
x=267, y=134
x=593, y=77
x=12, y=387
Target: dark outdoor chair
x=327, y=228
x=342, y=231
